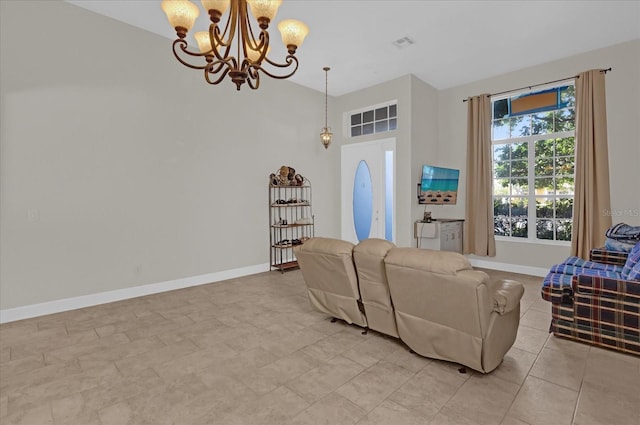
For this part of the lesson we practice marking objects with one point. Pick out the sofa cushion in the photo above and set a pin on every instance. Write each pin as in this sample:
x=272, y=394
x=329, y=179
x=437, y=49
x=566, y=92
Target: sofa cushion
x=575, y=270
x=580, y=262
x=441, y=262
x=574, y=261
x=634, y=274
x=633, y=259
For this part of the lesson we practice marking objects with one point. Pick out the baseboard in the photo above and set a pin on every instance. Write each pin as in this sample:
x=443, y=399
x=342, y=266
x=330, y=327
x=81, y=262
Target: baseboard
x=513, y=268
x=67, y=304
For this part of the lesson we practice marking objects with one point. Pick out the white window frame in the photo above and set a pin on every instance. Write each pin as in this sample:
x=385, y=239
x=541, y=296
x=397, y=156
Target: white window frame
x=531, y=196
x=372, y=108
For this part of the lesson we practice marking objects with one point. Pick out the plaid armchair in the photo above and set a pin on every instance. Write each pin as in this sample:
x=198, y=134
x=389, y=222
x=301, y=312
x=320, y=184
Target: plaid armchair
x=597, y=301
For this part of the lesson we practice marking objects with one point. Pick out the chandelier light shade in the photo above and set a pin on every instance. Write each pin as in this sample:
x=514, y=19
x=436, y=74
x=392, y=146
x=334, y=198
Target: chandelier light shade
x=326, y=135
x=233, y=47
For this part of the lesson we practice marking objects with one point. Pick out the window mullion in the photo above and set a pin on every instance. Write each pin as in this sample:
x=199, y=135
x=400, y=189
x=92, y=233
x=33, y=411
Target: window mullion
x=532, y=191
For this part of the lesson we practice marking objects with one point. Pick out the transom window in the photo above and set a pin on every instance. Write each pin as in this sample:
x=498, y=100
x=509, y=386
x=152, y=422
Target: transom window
x=533, y=139
x=375, y=120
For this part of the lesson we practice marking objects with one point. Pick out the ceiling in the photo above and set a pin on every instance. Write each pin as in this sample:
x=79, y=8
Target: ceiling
x=455, y=42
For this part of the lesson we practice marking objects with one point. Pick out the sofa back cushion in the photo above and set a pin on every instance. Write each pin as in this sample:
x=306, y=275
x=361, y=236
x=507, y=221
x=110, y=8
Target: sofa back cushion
x=440, y=288
x=369, y=256
x=329, y=273
x=631, y=269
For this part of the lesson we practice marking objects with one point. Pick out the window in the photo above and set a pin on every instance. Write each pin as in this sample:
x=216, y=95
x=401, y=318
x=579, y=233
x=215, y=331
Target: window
x=376, y=120
x=533, y=138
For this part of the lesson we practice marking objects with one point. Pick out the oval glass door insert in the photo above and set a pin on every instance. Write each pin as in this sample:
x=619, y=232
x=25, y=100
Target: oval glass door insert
x=362, y=201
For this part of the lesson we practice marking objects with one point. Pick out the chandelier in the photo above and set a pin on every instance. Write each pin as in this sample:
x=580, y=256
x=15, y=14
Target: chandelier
x=218, y=45
x=326, y=135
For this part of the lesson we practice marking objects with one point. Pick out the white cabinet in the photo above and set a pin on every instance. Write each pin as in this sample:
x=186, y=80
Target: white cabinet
x=441, y=234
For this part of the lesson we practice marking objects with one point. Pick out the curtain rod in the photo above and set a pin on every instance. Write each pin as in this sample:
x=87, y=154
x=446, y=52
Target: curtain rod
x=538, y=85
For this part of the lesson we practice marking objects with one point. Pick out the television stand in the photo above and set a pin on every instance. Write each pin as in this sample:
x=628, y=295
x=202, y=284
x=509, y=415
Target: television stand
x=441, y=234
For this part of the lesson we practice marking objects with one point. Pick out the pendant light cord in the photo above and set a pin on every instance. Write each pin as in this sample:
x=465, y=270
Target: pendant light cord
x=326, y=88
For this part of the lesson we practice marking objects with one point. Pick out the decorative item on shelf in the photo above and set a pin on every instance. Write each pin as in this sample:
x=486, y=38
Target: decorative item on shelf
x=216, y=45
x=286, y=176
x=326, y=135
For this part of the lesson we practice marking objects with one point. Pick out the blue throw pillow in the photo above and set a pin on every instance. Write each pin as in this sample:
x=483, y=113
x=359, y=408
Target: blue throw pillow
x=614, y=245
x=631, y=267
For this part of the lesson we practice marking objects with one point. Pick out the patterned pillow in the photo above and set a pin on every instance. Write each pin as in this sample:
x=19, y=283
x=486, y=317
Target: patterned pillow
x=634, y=274
x=631, y=270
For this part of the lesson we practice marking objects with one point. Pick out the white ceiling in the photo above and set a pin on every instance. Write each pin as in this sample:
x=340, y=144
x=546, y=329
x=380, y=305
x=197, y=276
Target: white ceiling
x=456, y=42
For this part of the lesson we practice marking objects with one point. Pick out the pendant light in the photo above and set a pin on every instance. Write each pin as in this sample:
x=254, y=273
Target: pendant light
x=326, y=135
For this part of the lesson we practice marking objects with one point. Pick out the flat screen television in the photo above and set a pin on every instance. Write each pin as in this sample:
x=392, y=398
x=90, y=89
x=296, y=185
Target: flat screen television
x=438, y=186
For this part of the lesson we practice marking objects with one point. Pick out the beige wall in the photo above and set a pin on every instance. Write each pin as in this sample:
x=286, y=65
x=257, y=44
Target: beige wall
x=424, y=146
x=623, y=110
x=119, y=168
x=136, y=170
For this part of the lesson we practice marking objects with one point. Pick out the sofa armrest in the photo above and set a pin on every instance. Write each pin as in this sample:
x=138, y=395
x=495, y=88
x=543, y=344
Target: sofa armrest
x=602, y=255
x=606, y=287
x=507, y=295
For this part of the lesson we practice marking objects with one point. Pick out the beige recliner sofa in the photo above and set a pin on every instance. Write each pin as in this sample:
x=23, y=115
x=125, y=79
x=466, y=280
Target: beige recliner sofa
x=432, y=300
x=446, y=310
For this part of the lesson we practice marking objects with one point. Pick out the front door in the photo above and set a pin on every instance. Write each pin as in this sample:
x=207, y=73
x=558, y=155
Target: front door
x=368, y=190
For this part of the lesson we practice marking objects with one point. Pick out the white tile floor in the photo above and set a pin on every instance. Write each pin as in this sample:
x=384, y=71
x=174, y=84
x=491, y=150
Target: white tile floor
x=251, y=351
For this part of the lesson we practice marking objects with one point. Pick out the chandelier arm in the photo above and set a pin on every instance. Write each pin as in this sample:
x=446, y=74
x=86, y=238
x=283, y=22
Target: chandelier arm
x=215, y=41
x=183, y=47
x=253, y=77
x=252, y=69
x=263, y=46
x=290, y=59
x=253, y=42
x=207, y=72
x=243, y=24
x=219, y=64
x=221, y=38
x=247, y=38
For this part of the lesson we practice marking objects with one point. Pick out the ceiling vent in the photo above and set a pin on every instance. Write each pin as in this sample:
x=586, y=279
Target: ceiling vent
x=403, y=42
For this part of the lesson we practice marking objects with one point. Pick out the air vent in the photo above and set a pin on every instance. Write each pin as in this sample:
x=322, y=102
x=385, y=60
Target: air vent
x=403, y=42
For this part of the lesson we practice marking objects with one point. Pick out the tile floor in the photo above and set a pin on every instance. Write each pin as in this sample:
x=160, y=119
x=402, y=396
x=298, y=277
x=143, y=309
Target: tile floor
x=251, y=351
